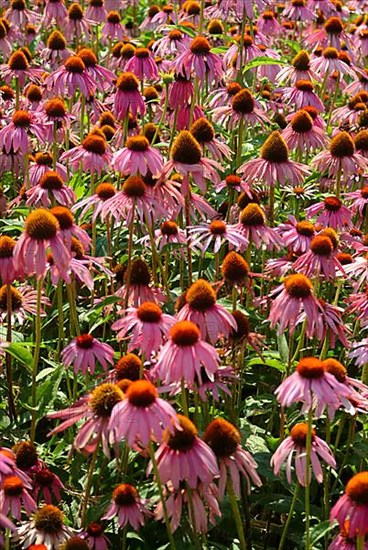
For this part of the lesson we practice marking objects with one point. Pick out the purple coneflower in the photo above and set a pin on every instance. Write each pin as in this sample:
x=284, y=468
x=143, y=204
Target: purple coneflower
x=252, y=224
x=183, y=356
x=213, y=320
x=96, y=408
x=96, y=11
x=50, y=188
x=321, y=257
x=204, y=133
x=314, y=387
x=331, y=213
x=142, y=65
x=127, y=506
x=187, y=159
x=302, y=134
x=46, y=526
x=70, y=77
x=137, y=158
x=104, y=191
x=329, y=62
x=41, y=231
x=84, y=351
x=94, y=535
x=224, y=439
x=296, y=236
x=353, y=506
x=243, y=108
x=128, y=98
x=14, y=496
x=112, y=30
x=274, y=165
x=14, y=136
x=93, y=155
x=291, y=298
x=184, y=457
x=47, y=485
x=146, y=326
x=300, y=69
x=296, y=443
x=199, y=59
x=151, y=415
x=217, y=233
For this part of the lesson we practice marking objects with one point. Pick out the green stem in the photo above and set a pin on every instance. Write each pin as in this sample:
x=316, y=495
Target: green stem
x=162, y=496
x=236, y=513
x=36, y=357
x=8, y=357
x=289, y=518
x=184, y=398
x=308, y=480
x=89, y=484
x=54, y=146
x=360, y=543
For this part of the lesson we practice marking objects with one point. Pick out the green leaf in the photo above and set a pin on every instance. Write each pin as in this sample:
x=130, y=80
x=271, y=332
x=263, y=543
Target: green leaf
x=20, y=352
x=263, y=60
x=320, y=530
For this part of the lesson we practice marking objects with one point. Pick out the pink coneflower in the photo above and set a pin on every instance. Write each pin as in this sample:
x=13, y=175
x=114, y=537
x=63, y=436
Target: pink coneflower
x=251, y=50
x=314, y=387
x=180, y=92
x=329, y=62
x=204, y=133
x=147, y=24
x=332, y=213
x=302, y=95
x=289, y=300
x=112, y=30
x=184, y=117
x=50, y=188
x=353, y=506
x=41, y=231
x=140, y=289
x=243, y=108
x=295, y=235
x=214, y=389
x=213, y=320
x=359, y=391
x=9, y=466
x=7, y=268
x=302, y=134
x=147, y=325
x=76, y=26
x=5, y=45
x=14, y=136
x=340, y=158
x=252, y=224
x=186, y=158
x=202, y=505
x=54, y=12
x=332, y=34
x=142, y=65
x=69, y=78
x=217, y=233
x=164, y=16
x=5, y=523
x=138, y=157
x=127, y=506
x=55, y=52
x=199, y=59
x=183, y=356
x=47, y=484
x=299, y=70
x=274, y=165
x=329, y=324
x=135, y=196
x=14, y=496
x=184, y=457
x=43, y=163
x=298, y=11
x=344, y=542
x=268, y=24
x=23, y=301
x=96, y=408
x=359, y=306
x=96, y=11
x=100, y=75
x=77, y=268
x=223, y=96
x=359, y=268
x=104, y=191
x=93, y=155
x=46, y=527
x=94, y=536
x=128, y=98
x=321, y=258
x=151, y=415
x=174, y=43
x=361, y=143
x=359, y=352
x=84, y=351
x=19, y=15
x=296, y=443
x=224, y=439
x=68, y=228
x=169, y=233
